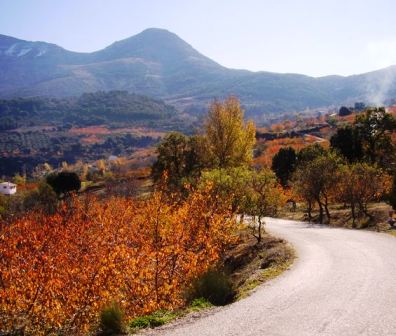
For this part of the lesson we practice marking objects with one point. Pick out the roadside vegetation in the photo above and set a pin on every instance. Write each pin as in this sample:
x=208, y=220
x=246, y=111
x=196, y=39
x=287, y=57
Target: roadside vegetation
x=112, y=247
x=355, y=171
x=78, y=262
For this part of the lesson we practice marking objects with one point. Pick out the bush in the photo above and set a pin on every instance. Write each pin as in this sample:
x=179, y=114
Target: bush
x=214, y=286
x=111, y=320
x=153, y=320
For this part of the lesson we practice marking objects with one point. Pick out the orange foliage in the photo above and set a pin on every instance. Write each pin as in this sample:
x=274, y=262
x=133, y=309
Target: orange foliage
x=273, y=147
x=27, y=186
x=58, y=271
x=91, y=139
x=90, y=130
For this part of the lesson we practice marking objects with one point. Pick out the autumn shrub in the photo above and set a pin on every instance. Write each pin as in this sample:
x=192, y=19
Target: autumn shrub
x=214, y=286
x=111, y=320
x=57, y=271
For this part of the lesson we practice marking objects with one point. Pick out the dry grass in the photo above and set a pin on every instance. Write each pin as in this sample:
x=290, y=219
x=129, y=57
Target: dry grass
x=252, y=263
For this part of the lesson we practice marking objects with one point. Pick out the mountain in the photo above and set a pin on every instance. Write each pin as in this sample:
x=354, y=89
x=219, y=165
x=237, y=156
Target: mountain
x=158, y=63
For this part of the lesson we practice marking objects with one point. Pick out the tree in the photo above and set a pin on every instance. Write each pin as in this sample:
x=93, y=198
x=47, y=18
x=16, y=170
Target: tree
x=348, y=143
x=316, y=181
x=171, y=158
x=344, y=111
x=197, y=157
x=373, y=129
x=181, y=157
x=229, y=186
x=283, y=164
x=310, y=153
x=64, y=182
x=264, y=199
x=359, y=185
x=249, y=192
x=230, y=139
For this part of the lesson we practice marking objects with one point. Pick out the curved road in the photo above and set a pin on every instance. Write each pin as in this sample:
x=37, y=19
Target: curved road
x=343, y=283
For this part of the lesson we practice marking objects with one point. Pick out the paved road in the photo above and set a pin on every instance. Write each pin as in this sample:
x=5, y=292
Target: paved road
x=343, y=283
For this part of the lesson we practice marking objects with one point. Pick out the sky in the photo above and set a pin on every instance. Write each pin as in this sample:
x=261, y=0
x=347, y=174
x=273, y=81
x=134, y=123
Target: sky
x=312, y=37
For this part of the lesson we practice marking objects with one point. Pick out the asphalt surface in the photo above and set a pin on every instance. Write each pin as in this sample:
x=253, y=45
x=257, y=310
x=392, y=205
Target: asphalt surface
x=343, y=283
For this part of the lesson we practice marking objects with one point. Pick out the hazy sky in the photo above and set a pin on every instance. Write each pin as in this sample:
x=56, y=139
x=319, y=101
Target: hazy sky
x=314, y=37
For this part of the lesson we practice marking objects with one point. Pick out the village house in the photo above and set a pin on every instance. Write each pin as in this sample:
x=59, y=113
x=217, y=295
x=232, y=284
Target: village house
x=8, y=188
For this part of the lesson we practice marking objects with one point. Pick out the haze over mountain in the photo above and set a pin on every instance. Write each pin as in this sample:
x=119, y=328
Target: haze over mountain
x=158, y=63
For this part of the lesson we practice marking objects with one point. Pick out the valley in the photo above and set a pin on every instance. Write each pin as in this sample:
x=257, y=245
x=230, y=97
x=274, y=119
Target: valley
x=243, y=184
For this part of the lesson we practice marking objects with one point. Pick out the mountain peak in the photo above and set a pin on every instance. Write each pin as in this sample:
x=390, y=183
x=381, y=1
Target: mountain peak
x=157, y=31
x=152, y=44
x=156, y=36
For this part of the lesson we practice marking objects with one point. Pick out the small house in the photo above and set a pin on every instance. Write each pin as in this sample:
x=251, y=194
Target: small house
x=8, y=188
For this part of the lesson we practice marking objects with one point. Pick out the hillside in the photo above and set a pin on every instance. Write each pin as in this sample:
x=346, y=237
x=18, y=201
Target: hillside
x=88, y=109
x=158, y=63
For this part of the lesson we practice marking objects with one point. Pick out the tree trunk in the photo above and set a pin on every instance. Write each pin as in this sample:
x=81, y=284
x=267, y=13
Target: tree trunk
x=320, y=211
x=309, y=211
x=326, y=206
x=260, y=224
x=353, y=215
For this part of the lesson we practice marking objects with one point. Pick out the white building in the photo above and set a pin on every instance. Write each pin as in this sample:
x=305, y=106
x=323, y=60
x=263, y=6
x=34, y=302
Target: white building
x=8, y=188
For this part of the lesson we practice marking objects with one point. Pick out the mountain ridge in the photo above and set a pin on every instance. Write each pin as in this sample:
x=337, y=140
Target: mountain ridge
x=158, y=63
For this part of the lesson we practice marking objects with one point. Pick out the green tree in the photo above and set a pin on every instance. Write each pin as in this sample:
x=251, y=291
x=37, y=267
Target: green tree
x=373, y=129
x=182, y=157
x=171, y=158
x=310, y=153
x=197, y=157
x=264, y=199
x=347, y=142
x=230, y=139
x=284, y=164
x=344, y=111
x=64, y=182
x=229, y=184
x=247, y=191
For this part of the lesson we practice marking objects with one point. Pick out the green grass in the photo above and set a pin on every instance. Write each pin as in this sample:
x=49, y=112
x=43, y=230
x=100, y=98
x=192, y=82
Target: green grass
x=162, y=317
x=199, y=304
x=111, y=320
x=153, y=320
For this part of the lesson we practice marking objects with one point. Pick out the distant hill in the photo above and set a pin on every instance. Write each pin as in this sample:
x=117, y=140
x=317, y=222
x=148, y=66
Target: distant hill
x=158, y=63
x=88, y=109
